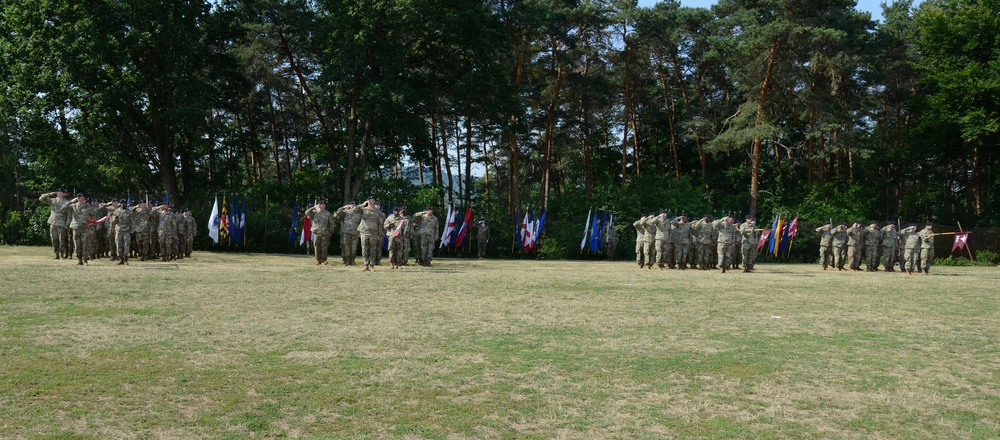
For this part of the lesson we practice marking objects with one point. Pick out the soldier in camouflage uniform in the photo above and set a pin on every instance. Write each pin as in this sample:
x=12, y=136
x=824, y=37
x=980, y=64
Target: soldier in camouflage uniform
x=737, y=256
x=322, y=229
x=121, y=223
x=912, y=248
x=649, y=240
x=749, y=235
x=826, y=253
x=140, y=226
x=702, y=229
x=425, y=226
x=839, y=243
x=726, y=237
x=180, y=235
x=661, y=239
x=855, y=239
x=640, y=231
x=57, y=221
x=482, y=237
x=873, y=243
x=926, y=248
x=77, y=210
x=166, y=231
x=371, y=221
x=890, y=241
x=349, y=236
x=680, y=240
x=407, y=233
x=191, y=229
x=394, y=225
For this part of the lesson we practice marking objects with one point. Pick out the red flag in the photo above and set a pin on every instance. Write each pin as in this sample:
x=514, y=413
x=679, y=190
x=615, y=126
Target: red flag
x=399, y=228
x=960, y=239
x=466, y=222
x=764, y=236
x=307, y=232
x=793, y=230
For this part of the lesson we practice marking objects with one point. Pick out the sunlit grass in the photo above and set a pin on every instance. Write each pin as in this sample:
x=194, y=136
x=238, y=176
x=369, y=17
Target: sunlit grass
x=271, y=345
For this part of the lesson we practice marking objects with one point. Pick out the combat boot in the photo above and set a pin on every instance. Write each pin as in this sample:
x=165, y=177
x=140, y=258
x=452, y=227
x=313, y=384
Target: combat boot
x=79, y=261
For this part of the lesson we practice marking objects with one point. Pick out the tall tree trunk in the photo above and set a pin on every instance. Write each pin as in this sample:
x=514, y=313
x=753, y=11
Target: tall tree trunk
x=761, y=107
x=274, y=133
x=550, y=127
x=628, y=109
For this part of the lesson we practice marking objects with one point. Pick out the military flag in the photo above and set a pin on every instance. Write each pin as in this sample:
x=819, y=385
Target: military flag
x=295, y=220
x=449, y=227
x=224, y=220
x=961, y=239
x=764, y=236
x=464, y=229
x=213, y=222
x=586, y=228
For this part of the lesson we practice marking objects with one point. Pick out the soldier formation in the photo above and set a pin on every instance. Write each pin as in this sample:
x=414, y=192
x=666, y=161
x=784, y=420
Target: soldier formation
x=367, y=225
x=704, y=244
x=910, y=248
x=95, y=229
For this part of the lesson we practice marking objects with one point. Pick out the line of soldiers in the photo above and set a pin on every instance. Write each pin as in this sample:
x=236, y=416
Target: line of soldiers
x=108, y=229
x=704, y=244
x=366, y=224
x=909, y=248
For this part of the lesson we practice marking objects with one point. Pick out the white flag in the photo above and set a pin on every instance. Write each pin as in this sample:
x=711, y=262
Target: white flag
x=586, y=228
x=449, y=227
x=213, y=222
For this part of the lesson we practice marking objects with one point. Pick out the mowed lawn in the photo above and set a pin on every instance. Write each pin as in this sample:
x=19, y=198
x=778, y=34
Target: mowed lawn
x=244, y=346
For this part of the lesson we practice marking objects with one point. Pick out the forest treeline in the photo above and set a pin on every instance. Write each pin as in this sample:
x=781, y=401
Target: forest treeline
x=802, y=107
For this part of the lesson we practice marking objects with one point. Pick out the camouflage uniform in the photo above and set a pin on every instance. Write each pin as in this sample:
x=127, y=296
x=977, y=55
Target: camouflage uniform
x=121, y=221
x=826, y=254
x=703, y=229
x=661, y=239
x=737, y=257
x=873, y=239
x=926, y=249
x=191, y=230
x=912, y=250
x=482, y=238
x=680, y=241
x=394, y=225
x=57, y=223
x=640, y=258
x=749, y=237
x=890, y=243
x=349, y=236
x=649, y=240
x=77, y=213
x=426, y=230
x=839, y=243
x=726, y=238
x=322, y=228
x=369, y=227
x=855, y=239
x=140, y=227
x=167, y=233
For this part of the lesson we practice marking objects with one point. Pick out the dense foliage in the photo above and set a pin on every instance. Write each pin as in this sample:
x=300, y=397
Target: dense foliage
x=758, y=106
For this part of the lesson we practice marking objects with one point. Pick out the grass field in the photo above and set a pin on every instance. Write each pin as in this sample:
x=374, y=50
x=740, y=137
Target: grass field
x=237, y=346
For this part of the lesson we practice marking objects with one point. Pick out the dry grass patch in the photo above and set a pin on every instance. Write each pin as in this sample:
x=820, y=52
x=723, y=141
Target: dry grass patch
x=271, y=345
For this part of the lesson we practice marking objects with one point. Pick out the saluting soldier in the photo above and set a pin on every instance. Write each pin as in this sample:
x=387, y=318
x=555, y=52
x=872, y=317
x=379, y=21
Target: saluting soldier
x=890, y=241
x=425, y=230
x=661, y=239
x=57, y=221
x=140, y=225
x=839, y=244
x=912, y=250
x=394, y=225
x=826, y=253
x=726, y=237
x=649, y=240
x=322, y=229
x=640, y=231
x=681, y=240
x=77, y=211
x=371, y=220
x=873, y=240
x=612, y=243
x=855, y=239
x=703, y=230
x=121, y=222
x=349, y=235
x=191, y=227
x=926, y=248
x=749, y=235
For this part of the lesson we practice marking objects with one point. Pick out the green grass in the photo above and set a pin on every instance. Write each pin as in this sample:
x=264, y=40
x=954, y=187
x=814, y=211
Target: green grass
x=238, y=346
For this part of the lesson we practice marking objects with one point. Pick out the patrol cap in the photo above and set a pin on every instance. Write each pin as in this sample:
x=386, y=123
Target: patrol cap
x=371, y=198
x=428, y=208
x=841, y=224
x=929, y=224
x=873, y=222
x=750, y=217
x=79, y=194
x=321, y=202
